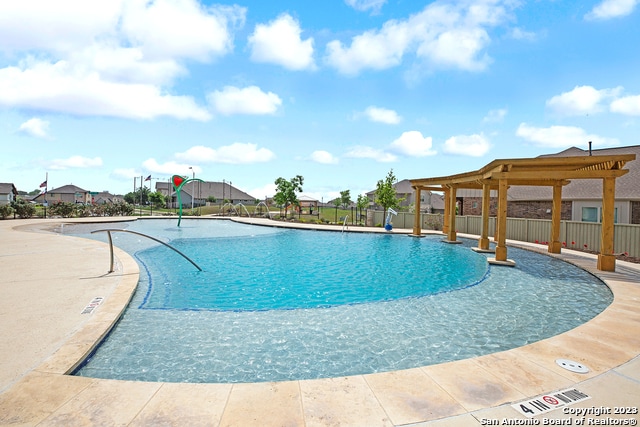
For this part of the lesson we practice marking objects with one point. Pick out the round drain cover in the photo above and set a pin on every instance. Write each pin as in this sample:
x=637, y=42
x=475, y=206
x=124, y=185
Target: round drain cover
x=572, y=366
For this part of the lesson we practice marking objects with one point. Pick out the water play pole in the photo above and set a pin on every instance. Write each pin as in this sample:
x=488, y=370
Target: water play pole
x=179, y=182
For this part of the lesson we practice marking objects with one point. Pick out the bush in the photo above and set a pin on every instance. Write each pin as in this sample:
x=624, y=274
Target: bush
x=63, y=209
x=23, y=209
x=6, y=211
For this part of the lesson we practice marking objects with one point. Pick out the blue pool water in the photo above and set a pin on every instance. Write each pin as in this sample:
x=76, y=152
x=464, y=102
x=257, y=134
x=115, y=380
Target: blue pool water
x=275, y=304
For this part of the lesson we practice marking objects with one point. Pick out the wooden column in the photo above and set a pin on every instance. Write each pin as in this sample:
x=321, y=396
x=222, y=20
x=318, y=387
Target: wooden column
x=417, y=226
x=556, y=211
x=606, y=259
x=445, y=220
x=452, y=235
x=501, y=223
x=483, y=242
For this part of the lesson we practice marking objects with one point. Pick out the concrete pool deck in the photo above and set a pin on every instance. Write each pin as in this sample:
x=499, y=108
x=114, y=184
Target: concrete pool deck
x=51, y=315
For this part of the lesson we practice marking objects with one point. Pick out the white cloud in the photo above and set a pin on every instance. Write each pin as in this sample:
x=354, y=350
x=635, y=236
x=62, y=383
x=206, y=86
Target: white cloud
x=581, y=100
x=249, y=100
x=109, y=58
x=170, y=168
x=364, y=5
x=125, y=173
x=495, y=116
x=35, y=127
x=413, y=144
x=236, y=153
x=467, y=145
x=382, y=115
x=363, y=152
x=324, y=157
x=279, y=43
x=608, y=9
x=442, y=35
x=520, y=34
x=74, y=162
x=562, y=136
x=629, y=105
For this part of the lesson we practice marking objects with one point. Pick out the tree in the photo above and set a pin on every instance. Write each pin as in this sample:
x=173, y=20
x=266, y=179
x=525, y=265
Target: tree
x=345, y=198
x=157, y=199
x=362, y=203
x=286, y=191
x=386, y=193
x=134, y=197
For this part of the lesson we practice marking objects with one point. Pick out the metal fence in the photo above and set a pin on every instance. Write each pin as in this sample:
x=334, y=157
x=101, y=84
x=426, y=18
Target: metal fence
x=573, y=234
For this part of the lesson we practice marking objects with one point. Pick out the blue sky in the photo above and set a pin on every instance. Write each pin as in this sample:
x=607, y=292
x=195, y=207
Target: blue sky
x=96, y=93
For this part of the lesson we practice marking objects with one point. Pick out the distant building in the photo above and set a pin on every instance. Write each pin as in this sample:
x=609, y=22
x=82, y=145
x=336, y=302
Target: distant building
x=200, y=192
x=67, y=193
x=429, y=202
x=8, y=193
x=104, y=197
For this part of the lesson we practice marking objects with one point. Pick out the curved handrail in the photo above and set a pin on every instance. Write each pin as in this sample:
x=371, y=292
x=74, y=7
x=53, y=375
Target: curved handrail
x=109, y=230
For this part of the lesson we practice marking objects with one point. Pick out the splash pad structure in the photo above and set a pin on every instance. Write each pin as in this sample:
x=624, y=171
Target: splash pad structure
x=179, y=182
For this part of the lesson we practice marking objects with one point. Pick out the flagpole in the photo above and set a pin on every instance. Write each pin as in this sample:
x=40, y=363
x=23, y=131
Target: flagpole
x=46, y=188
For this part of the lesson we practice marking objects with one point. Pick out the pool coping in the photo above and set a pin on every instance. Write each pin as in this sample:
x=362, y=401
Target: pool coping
x=474, y=391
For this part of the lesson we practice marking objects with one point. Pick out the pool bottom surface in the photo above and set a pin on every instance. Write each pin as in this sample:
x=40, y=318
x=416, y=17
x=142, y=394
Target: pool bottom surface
x=539, y=298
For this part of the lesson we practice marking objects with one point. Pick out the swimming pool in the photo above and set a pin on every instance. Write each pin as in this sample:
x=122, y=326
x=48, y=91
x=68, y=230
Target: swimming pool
x=481, y=310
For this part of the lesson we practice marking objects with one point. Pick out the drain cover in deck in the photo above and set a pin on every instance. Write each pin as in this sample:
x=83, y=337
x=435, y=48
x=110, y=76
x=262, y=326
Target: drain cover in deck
x=572, y=366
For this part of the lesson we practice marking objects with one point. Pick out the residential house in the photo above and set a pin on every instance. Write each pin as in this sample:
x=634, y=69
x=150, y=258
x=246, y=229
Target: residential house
x=581, y=198
x=8, y=193
x=200, y=192
x=429, y=202
x=67, y=193
x=104, y=197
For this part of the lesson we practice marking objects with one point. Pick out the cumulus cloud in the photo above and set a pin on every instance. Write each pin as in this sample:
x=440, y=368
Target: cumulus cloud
x=562, y=136
x=581, y=100
x=35, y=127
x=364, y=5
x=467, y=145
x=236, y=153
x=608, y=9
x=324, y=157
x=442, y=35
x=249, y=100
x=382, y=115
x=279, y=42
x=629, y=105
x=109, y=58
x=495, y=116
x=413, y=144
x=170, y=167
x=74, y=162
x=364, y=152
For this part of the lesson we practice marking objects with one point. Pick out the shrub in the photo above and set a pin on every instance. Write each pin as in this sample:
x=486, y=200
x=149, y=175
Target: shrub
x=23, y=208
x=6, y=211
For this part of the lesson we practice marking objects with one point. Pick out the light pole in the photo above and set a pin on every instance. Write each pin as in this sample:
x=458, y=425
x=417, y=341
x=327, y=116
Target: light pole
x=192, y=187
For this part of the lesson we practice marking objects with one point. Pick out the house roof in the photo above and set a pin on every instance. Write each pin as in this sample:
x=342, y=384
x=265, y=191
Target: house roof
x=8, y=188
x=203, y=190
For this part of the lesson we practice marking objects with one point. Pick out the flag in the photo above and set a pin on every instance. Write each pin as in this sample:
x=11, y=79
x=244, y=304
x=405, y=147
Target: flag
x=44, y=184
x=148, y=178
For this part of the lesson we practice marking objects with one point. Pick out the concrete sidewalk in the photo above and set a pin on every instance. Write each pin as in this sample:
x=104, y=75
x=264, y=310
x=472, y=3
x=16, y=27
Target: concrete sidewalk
x=47, y=282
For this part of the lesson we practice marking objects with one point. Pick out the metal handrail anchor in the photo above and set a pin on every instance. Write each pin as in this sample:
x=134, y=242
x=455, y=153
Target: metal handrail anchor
x=109, y=230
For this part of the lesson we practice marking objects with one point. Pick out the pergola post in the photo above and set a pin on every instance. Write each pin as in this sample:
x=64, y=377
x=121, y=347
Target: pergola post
x=452, y=235
x=445, y=220
x=483, y=242
x=556, y=211
x=606, y=258
x=501, y=226
x=417, y=227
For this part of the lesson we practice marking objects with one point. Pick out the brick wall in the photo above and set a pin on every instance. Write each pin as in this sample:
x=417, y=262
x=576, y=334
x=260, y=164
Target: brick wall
x=532, y=210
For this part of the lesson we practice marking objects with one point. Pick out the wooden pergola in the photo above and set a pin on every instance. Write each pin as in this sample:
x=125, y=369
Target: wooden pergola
x=555, y=172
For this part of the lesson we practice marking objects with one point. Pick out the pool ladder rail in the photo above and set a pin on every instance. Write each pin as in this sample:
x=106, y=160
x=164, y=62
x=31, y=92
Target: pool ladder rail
x=110, y=230
x=344, y=223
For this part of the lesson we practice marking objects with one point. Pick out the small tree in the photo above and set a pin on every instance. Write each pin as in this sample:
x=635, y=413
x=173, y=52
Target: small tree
x=23, y=208
x=286, y=192
x=5, y=211
x=345, y=198
x=157, y=199
x=362, y=203
x=386, y=193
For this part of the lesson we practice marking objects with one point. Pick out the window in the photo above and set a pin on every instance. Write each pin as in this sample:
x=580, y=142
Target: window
x=474, y=205
x=590, y=214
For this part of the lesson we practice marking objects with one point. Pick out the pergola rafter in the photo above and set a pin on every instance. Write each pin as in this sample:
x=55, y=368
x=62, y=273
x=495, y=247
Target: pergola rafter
x=555, y=172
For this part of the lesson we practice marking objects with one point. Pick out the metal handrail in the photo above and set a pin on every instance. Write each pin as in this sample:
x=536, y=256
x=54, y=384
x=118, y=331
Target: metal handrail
x=109, y=230
x=345, y=223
